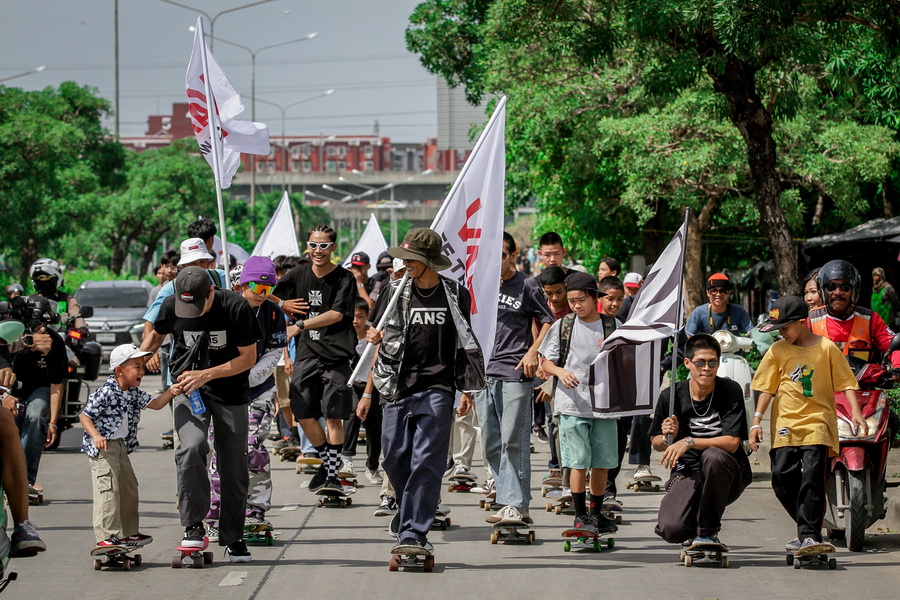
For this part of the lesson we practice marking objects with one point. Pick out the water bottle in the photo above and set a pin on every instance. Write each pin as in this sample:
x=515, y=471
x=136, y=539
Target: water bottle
x=197, y=406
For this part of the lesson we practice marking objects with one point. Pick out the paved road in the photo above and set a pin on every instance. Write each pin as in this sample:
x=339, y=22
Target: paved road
x=343, y=553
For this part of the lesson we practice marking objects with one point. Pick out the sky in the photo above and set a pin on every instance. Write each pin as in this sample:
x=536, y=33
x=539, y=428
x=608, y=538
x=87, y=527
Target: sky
x=360, y=52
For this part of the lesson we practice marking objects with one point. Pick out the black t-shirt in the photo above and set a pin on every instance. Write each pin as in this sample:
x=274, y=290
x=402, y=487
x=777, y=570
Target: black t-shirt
x=231, y=325
x=335, y=291
x=5, y=360
x=721, y=413
x=36, y=371
x=521, y=302
x=430, y=353
x=273, y=335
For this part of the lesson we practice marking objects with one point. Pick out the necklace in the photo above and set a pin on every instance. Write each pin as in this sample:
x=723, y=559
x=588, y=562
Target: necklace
x=421, y=295
x=708, y=407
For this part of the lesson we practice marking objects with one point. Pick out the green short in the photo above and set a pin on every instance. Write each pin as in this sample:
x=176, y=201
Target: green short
x=588, y=443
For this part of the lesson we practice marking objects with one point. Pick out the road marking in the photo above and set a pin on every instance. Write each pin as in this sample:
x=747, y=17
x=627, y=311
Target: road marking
x=290, y=507
x=233, y=578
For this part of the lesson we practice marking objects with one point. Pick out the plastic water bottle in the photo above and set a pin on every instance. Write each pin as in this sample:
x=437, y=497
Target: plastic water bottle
x=196, y=400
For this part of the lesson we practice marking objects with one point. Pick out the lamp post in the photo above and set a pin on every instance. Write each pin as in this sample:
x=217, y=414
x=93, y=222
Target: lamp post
x=212, y=19
x=392, y=204
x=31, y=72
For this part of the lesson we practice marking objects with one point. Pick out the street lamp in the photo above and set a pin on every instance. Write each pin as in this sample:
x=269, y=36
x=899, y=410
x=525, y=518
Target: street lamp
x=343, y=179
x=212, y=19
x=31, y=72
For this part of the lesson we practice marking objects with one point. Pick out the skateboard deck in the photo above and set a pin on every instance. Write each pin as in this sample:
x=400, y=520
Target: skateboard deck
x=815, y=557
x=290, y=453
x=461, y=483
x=512, y=531
x=309, y=460
x=197, y=556
x=574, y=538
x=259, y=534
x=714, y=553
x=412, y=556
x=116, y=556
x=333, y=498
x=168, y=441
x=644, y=484
x=563, y=503
x=35, y=494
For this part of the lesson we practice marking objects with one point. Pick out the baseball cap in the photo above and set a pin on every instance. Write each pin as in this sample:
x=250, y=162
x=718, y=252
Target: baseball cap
x=633, y=280
x=360, y=259
x=259, y=269
x=582, y=281
x=192, y=250
x=786, y=309
x=718, y=280
x=192, y=286
x=125, y=352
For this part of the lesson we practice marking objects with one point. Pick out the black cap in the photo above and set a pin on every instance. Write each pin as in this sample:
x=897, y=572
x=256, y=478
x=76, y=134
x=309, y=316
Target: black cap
x=192, y=286
x=786, y=309
x=360, y=259
x=385, y=260
x=582, y=281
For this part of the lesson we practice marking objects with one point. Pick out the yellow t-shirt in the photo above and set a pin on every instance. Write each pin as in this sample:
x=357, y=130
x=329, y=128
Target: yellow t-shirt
x=803, y=381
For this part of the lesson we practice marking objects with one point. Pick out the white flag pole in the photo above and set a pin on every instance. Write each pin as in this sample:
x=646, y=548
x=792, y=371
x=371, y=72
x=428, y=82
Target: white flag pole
x=215, y=141
x=678, y=319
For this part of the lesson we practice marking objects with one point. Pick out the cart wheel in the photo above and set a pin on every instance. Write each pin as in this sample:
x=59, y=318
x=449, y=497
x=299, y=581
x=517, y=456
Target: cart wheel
x=832, y=563
x=98, y=564
x=126, y=564
x=207, y=558
x=724, y=562
x=428, y=565
x=394, y=563
x=611, y=543
x=789, y=559
x=567, y=545
x=688, y=560
x=495, y=536
x=176, y=562
x=138, y=559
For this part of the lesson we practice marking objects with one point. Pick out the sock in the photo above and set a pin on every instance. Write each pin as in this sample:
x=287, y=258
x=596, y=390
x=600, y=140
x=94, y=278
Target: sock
x=321, y=450
x=578, y=501
x=596, y=506
x=332, y=452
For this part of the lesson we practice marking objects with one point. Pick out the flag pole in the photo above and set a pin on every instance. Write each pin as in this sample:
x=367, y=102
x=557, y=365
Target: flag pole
x=214, y=128
x=679, y=317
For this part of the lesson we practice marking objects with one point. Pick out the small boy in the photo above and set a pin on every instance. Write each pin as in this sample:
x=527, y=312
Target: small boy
x=110, y=421
x=585, y=441
x=552, y=282
x=802, y=372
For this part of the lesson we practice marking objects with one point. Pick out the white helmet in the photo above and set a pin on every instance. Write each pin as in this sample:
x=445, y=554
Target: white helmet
x=45, y=269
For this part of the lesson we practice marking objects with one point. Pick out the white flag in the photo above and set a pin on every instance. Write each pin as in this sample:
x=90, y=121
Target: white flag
x=471, y=225
x=279, y=237
x=234, y=136
x=239, y=254
x=624, y=378
x=371, y=242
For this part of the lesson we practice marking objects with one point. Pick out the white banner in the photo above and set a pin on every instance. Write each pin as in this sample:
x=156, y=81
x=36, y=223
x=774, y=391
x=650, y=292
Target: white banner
x=471, y=224
x=239, y=254
x=371, y=242
x=279, y=237
x=234, y=136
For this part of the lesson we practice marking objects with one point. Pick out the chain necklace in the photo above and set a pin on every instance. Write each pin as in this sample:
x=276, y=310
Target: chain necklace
x=421, y=295
x=708, y=408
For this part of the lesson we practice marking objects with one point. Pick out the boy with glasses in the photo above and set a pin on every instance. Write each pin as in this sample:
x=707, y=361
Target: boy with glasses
x=718, y=313
x=701, y=444
x=325, y=349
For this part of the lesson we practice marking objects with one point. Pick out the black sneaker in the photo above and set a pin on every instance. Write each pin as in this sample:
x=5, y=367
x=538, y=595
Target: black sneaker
x=603, y=524
x=334, y=484
x=193, y=536
x=585, y=524
x=318, y=480
x=238, y=553
x=394, y=527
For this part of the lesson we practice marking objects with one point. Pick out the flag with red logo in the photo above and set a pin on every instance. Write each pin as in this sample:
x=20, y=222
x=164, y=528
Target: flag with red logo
x=233, y=136
x=471, y=224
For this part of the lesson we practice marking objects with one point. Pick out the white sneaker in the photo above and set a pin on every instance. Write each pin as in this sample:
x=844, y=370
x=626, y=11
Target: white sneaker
x=507, y=513
x=461, y=470
x=374, y=477
x=642, y=471
x=488, y=489
x=347, y=469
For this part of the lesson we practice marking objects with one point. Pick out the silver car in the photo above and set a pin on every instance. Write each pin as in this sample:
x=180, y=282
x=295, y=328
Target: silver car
x=119, y=305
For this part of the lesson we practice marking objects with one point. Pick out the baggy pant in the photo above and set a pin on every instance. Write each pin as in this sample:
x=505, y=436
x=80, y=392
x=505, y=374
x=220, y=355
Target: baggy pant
x=115, y=492
x=623, y=425
x=231, y=426
x=693, y=505
x=415, y=438
x=798, y=478
x=639, y=451
x=33, y=422
x=464, y=440
x=373, y=428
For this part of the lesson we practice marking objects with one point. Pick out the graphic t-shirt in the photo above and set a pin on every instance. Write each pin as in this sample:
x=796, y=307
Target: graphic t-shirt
x=336, y=291
x=35, y=371
x=231, y=325
x=583, y=349
x=804, y=381
x=720, y=413
x=521, y=301
x=273, y=336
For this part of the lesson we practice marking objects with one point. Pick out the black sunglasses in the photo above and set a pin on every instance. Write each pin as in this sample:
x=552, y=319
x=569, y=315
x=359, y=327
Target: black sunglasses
x=831, y=286
x=712, y=364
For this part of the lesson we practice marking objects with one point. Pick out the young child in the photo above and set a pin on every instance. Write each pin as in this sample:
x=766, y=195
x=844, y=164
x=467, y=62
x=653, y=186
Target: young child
x=802, y=372
x=552, y=282
x=110, y=420
x=585, y=441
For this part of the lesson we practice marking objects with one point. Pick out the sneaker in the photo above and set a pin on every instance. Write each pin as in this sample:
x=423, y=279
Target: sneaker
x=167, y=434
x=112, y=542
x=138, y=539
x=212, y=533
x=488, y=489
x=238, y=553
x=346, y=471
x=461, y=470
x=507, y=513
x=292, y=442
x=553, y=477
x=540, y=434
x=585, y=523
x=387, y=507
x=642, y=471
x=707, y=540
x=611, y=503
x=318, y=480
x=793, y=545
x=394, y=525
x=25, y=540
x=442, y=510
x=255, y=519
x=280, y=444
x=811, y=547
x=374, y=477
x=448, y=470
x=604, y=524
x=193, y=536
x=333, y=483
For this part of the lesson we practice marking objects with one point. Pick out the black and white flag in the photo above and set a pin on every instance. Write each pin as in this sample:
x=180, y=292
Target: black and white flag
x=624, y=377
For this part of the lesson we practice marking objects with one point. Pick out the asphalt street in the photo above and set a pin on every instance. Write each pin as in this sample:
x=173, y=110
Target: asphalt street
x=342, y=554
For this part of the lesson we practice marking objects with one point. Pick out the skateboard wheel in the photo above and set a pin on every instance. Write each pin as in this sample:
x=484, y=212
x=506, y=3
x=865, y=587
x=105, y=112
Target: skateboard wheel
x=394, y=563
x=724, y=560
x=349, y=501
x=549, y=507
x=318, y=503
x=832, y=563
x=611, y=543
x=618, y=519
x=682, y=555
x=270, y=540
x=176, y=562
x=688, y=560
x=789, y=559
x=567, y=545
x=797, y=564
x=208, y=558
x=428, y=564
x=198, y=562
x=655, y=488
x=98, y=564
x=449, y=522
x=596, y=546
x=528, y=538
x=558, y=510
x=126, y=564
x=495, y=536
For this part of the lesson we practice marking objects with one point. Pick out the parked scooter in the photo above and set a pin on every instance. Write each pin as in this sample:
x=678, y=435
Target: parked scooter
x=735, y=367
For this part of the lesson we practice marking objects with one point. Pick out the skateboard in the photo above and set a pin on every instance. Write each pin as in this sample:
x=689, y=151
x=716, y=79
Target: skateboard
x=716, y=553
x=414, y=556
x=612, y=510
x=644, y=484
x=441, y=520
x=291, y=453
x=197, y=556
x=168, y=441
x=35, y=494
x=334, y=498
x=588, y=539
x=259, y=534
x=512, y=531
x=551, y=482
x=116, y=556
x=816, y=560
x=461, y=483
x=563, y=502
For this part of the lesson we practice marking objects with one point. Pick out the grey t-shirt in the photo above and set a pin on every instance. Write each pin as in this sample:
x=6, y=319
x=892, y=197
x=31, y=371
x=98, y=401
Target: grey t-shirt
x=521, y=302
x=583, y=349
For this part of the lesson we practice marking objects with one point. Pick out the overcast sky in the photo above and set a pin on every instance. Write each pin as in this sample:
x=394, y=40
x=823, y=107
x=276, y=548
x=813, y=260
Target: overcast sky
x=360, y=51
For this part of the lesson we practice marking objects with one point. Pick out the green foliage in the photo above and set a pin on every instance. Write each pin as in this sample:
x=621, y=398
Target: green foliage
x=238, y=217
x=893, y=396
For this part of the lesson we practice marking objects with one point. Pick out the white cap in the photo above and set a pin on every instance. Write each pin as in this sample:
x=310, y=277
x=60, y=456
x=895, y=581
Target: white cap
x=125, y=352
x=633, y=280
x=398, y=264
x=192, y=250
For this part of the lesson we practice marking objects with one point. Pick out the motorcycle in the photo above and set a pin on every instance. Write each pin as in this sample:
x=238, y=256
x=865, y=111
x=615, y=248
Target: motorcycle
x=735, y=367
x=856, y=480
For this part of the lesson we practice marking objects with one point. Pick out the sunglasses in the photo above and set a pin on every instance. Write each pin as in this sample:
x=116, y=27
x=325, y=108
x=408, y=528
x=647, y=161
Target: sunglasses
x=833, y=287
x=263, y=289
x=319, y=245
x=712, y=364
x=717, y=291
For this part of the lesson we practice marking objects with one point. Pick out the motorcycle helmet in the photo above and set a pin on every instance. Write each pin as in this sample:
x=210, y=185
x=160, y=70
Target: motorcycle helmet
x=46, y=274
x=14, y=289
x=838, y=269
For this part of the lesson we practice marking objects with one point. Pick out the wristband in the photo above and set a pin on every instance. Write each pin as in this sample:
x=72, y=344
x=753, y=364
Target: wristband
x=366, y=395
x=752, y=427
x=53, y=425
x=4, y=396
x=758, y=414
x=280, y=302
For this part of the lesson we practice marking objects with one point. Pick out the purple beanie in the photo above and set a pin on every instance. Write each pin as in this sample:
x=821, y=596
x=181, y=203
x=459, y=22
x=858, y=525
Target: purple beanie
x=259, y=269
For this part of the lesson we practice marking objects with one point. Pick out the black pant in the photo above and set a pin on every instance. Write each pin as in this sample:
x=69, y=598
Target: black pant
x=623, y=426
x=693, y=505
x=373, y=428
x=540, y=411
x=798, y=478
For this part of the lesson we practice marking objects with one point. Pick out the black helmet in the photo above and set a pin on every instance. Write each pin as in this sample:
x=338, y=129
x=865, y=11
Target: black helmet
x=14, y=289
x=838, y=269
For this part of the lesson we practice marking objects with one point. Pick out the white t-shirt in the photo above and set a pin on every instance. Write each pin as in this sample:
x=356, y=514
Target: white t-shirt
x=584, y=346
x=363, y=374
x=122, y=432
